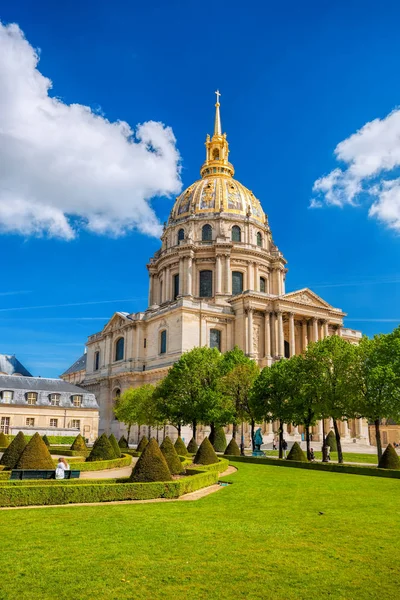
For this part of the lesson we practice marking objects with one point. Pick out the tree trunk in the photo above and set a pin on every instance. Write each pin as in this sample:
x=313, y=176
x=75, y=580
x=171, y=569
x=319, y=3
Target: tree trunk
x=212, y=432
x=234, y=431
x=242, y=441
x=129, y=431
x=253, y=426
x=149, y=431
x=308, y=441
x=338, y=442
x=179, y=428
x=158, y=433
x=164, y=432
x=378, y=438
x=280, y=439
x=194, y=427
x=324, y=452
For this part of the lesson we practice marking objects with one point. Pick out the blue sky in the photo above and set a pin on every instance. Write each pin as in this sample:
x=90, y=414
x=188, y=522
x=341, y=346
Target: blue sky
x=297, y=79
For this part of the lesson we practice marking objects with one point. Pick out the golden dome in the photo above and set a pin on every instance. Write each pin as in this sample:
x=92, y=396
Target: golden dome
x=217, y=191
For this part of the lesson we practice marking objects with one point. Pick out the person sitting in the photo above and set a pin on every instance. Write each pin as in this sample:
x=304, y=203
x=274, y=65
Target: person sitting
x=61, y=468
x=312, y=455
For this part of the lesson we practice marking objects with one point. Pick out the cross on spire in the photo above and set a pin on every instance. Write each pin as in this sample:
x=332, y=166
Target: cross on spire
x=217, y=121
x=217, y=93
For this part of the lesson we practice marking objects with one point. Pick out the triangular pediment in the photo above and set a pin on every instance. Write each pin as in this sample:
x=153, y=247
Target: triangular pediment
x=306, y=296
x=117, y=321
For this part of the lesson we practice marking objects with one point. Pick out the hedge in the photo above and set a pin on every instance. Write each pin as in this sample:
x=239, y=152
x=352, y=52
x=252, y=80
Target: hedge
x=205, y=455
x=53, y=439
x=102, y=450
x=101, y=465
x=31, y=495
x=67, y=452
x=35, y=455
x=220, y=466
x=314, y=466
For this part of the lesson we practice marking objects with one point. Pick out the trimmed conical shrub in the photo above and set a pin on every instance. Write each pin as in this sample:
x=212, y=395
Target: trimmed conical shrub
x=102, y=449
x=390, y=459
x=232, y=448
x=296, y=453
x=113, y=441
x=205, y=455
x=151, y=465
x=79, y=444
x=14, y=451
x=192, y=446
x=330, y=441
x=142, y=444
x=123, y=442
x=35, y=455
x=174, y=464
x=4, y=440
x=219, y=442
x=46, y=440
x=180, y=447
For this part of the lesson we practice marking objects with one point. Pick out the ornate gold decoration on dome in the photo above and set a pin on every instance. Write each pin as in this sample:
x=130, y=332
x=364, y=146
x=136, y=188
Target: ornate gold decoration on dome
x=217, y=150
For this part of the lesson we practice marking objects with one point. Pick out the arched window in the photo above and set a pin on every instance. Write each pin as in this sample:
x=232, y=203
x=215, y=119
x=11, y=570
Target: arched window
x=176, y=286
x=119, y=349
x=205, y=284
x=236, y=234
x=163, y=341
x=259, y=239
x=181, y=235
x=262, y=284
x=215, y=339
x=206, y=233
x=237, y=282
x=97, y=360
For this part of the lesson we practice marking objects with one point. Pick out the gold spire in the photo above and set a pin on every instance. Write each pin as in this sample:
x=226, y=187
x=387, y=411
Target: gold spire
x=217, y=150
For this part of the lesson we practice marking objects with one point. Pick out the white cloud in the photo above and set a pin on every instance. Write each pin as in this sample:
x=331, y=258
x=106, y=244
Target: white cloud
x=65, y=167
x=372, y=158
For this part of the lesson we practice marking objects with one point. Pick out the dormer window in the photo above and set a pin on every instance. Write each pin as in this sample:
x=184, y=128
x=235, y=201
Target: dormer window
x=7, y=396
x=76, y=400
x=31, y=398
x=55, y=399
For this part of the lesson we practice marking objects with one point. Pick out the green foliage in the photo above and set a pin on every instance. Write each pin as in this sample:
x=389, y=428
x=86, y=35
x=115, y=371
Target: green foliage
x=221, y=465
x=101, y=465
x=4, y=441
x=102, y=450
x=296, y=453
x=219, y=441
x=35, y=455
x=14, y=451
x=151, y=465
x=390, y=459
x=113, y=441
x=232, y=449
x=205, y=454
x=142, y=444
x=236, y=386
x=123, y=442
x=79, y=444
x=192, y=446
x=330, y=441
x=180, y=447
x=138, y=405
x=174, y=464
x=46, y=440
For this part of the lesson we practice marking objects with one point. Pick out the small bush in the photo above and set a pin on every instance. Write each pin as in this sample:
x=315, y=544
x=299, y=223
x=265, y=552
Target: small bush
x=390, y=459
x=123, y=442
x=113, y=441
x=205, y=454
x=180, y=447
x=330, y=441
x=46, y=440
x=142, y=444
x=296, y=453
x=35, y=455
x=151, y=465
x=219, y=442
x=79, y=444
x=232, y=448
x=4, y=441
x=102, y=465
x=102, y=449
x=192, y=446
x=14, y=451
x=171, y=456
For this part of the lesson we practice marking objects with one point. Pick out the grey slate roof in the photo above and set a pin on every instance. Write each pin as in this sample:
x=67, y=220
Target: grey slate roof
x=78, y=365
x=38, y=384
x=10, y=364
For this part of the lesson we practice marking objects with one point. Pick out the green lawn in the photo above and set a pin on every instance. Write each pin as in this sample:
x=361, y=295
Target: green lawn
x=348, y=457
x=262, y=537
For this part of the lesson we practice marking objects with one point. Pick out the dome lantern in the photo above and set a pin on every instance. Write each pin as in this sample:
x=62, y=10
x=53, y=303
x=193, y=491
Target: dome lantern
x=217, y=150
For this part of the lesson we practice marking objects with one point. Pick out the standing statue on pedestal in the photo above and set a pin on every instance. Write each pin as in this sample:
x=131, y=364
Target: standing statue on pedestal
x=258, y=440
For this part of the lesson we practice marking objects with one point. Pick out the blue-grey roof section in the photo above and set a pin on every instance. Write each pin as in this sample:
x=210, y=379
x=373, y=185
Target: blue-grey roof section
x=9, y=364
x=79, y=365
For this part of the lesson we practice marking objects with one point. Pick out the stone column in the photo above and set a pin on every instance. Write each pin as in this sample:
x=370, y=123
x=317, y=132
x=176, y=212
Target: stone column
x=345, y=429
x=228, y=277
x=246, y=332
x=181, y=272
x=268, y=283
x=189, y=268
x=167, y=284
x=267, y=336
x=250, y=276
x=162, y=287
x=326, y=328
x=304, y=329
x=151, y=280
x=218, y=274
x=315, y=329
x=250, y=331
x=281, y=345
x=292, y=341
x=274, y=351
x=256, y=278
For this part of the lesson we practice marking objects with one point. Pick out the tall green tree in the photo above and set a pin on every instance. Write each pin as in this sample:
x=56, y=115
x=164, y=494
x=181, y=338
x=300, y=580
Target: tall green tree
x=137, y=406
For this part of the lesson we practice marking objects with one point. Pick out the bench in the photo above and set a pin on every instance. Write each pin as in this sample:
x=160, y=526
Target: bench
x=41, y=474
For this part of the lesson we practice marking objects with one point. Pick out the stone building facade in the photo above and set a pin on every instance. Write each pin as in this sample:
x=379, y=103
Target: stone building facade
x=218, y=280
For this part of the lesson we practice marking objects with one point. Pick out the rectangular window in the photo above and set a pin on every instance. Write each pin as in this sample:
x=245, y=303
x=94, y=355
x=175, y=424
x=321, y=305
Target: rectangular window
x=5, y=425
x=237, y=282
x=206, y=284
x=96, y=360
x=215, y=339
x=30, y=422
x=53, y=422
x=32, y=397
x=55, y=399
x=7, y=397
x=176, y=286
x=262, y=284
x=75, y=424
x=163, y=342
x=77, y=401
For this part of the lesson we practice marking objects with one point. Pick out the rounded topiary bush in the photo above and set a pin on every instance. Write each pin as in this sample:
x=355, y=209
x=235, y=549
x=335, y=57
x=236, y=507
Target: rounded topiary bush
x=232, y=448
x=151, y=465
x=113, y=441
x=296, y=453
x=142, y=444
x=180, y=447
x=192, y=446
x=46, y=440
x=390, y=459
x=205, y=455
x=13, y=452
x=171, y=456
x=4, y=440
x=35, y=455
x=330, y=441
x=123, y=442
x=102, y=449
x=219, y=441
x=79, y=444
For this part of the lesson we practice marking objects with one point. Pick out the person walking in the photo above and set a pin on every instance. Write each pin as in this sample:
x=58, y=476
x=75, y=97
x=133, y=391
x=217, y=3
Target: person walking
x=62, y=466
x=284, y=447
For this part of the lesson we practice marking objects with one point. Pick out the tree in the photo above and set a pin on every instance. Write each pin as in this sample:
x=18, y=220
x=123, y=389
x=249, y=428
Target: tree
x=378, y=380
x=123, y=442
x=219, y=440
x=389, y=459
x=205, y=455
x=137, y=406
x=232, y=449
x=35, y=455
x=296, y=453
x=102, y=449
x=142, y=444
x=151, y=465
x=46, y=440
x=173, y=461
x=79, y=444
x=330, y=441
x=113, y=441
x=4, y=442
x=180, y=447
x=13, y=452
x=192, y=446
